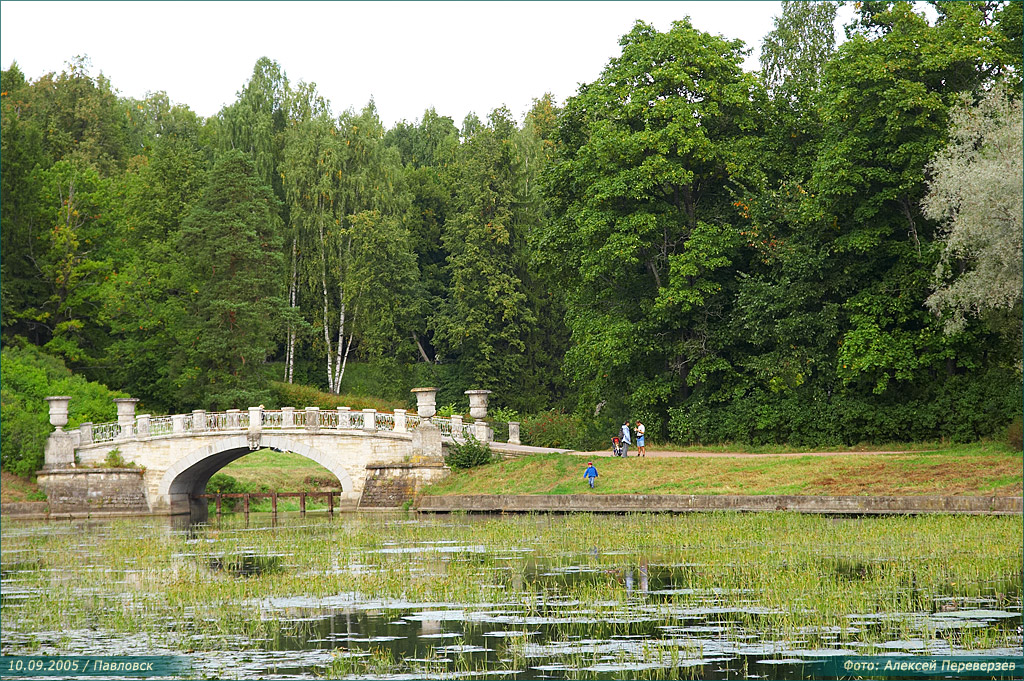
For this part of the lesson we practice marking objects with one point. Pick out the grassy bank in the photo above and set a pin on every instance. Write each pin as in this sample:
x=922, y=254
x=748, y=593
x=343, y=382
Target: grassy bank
x=281, y=472
x=14, y=488
x=977, y=469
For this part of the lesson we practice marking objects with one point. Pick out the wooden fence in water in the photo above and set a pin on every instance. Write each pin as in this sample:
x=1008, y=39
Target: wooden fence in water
x=273, y=496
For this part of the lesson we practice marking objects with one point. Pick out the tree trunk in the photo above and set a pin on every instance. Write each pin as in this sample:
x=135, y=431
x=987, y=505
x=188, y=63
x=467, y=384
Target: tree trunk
x=327, y=324
x=293, y=290
x=423, y=353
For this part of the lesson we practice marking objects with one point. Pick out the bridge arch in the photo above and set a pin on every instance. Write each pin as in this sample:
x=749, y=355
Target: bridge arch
x=190, y=474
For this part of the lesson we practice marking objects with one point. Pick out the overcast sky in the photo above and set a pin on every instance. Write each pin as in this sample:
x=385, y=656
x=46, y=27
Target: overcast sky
x=455, y=56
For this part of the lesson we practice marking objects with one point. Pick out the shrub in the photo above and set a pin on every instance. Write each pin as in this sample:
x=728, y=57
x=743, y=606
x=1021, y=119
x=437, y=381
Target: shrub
x=114, y=459
x=222, y=483
x=1015, y=433
x=551, y=429
x=448, y=410
x=29, y=376
x=469, y=454
x=300, y=396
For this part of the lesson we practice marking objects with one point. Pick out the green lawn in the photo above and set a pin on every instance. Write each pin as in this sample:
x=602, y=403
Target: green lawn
x=978, y=469
x=282, y=472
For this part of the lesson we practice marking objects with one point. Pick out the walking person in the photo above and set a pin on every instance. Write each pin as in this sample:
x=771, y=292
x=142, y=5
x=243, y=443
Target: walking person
x=626, y=442
x=641, y=447
x=590, y=474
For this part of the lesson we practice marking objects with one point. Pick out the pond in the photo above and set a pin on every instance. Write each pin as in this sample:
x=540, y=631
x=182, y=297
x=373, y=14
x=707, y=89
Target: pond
x=529, y=597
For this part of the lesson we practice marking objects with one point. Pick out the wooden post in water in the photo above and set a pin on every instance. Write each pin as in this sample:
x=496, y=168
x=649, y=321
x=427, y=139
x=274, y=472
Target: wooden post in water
x=245, y=498
x=330, y=502
x=273, y=502
x=302, y=502
x=218, y=503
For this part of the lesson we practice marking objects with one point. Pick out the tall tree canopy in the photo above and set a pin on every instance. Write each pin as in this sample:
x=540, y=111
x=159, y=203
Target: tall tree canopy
x=826, y=251
x=232, y=245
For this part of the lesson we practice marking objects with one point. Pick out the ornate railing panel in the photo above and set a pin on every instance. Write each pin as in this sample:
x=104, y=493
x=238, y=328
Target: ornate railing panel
x=105, y=432
x=161, y=425
x=329, y=419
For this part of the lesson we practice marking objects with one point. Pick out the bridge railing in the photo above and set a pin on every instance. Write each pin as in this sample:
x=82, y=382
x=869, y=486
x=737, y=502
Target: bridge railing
x=287, y=419
x=161, y=425
x=383, y=420
x=328, y=419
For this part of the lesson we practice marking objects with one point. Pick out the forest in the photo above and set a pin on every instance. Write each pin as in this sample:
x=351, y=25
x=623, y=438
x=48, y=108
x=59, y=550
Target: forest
x=825, y=251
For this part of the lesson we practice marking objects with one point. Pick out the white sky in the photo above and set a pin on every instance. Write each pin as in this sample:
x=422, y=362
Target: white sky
x=455, y=56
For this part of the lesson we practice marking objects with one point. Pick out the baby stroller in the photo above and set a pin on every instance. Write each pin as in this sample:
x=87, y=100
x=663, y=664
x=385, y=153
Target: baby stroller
x=617, y=447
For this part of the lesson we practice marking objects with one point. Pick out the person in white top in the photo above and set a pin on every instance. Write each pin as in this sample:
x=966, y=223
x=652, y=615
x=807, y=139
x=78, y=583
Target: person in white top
x=641, y=447
x=626, y=442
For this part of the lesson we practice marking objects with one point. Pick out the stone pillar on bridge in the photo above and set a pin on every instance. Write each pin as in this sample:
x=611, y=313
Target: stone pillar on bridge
x=478, y=410
x=457, y=430
x=400, y=426
x=198, y=420
x=313, y=419
x=370, y=420
x=426, y=439
x=178, y=424
x=125, y=416
x=344, y=417
x=142, y=425
x=482, y=430
x=255, y=431
x=60, y=446
x=513, y=433
x=287, y=417
x=85, y=430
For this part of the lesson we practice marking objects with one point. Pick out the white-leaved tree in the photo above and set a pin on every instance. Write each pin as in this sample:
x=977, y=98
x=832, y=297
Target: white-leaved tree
x=975, y=192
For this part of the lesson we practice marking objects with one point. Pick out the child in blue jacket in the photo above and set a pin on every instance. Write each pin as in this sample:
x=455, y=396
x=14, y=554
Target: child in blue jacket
x=590, y=474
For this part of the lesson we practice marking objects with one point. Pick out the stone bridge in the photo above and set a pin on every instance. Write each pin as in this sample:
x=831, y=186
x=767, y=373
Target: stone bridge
x=175, y=456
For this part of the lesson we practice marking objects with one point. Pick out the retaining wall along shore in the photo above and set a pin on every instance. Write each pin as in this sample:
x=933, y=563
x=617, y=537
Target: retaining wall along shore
x=682, y=503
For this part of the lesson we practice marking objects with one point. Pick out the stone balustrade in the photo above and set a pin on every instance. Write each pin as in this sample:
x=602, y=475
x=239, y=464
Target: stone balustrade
x=257, y=419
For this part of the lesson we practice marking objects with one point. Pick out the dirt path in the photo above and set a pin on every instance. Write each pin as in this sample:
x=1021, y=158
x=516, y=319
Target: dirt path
x=740, y=455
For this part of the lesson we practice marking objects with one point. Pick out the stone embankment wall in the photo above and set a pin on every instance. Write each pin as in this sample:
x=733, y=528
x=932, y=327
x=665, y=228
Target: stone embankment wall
x=633, y=503
x=95, y=490
x=391, y=485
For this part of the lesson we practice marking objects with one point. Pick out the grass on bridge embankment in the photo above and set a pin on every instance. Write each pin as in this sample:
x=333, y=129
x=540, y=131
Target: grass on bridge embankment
x=976, y=469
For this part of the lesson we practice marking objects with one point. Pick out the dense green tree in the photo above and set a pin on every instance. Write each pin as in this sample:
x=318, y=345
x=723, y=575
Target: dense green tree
x=236, y=308
x=332, y=171
x=254, y=122
x=889, y=91
x=81, y=118
x=69, y=259
x=21, y=148
x=427, y=149
x=483, y=322
x=642, y=229
x=383, y=287
x=145, y=291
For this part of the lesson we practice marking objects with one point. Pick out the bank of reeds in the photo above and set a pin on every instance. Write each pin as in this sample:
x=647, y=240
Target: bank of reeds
x=785, y=576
